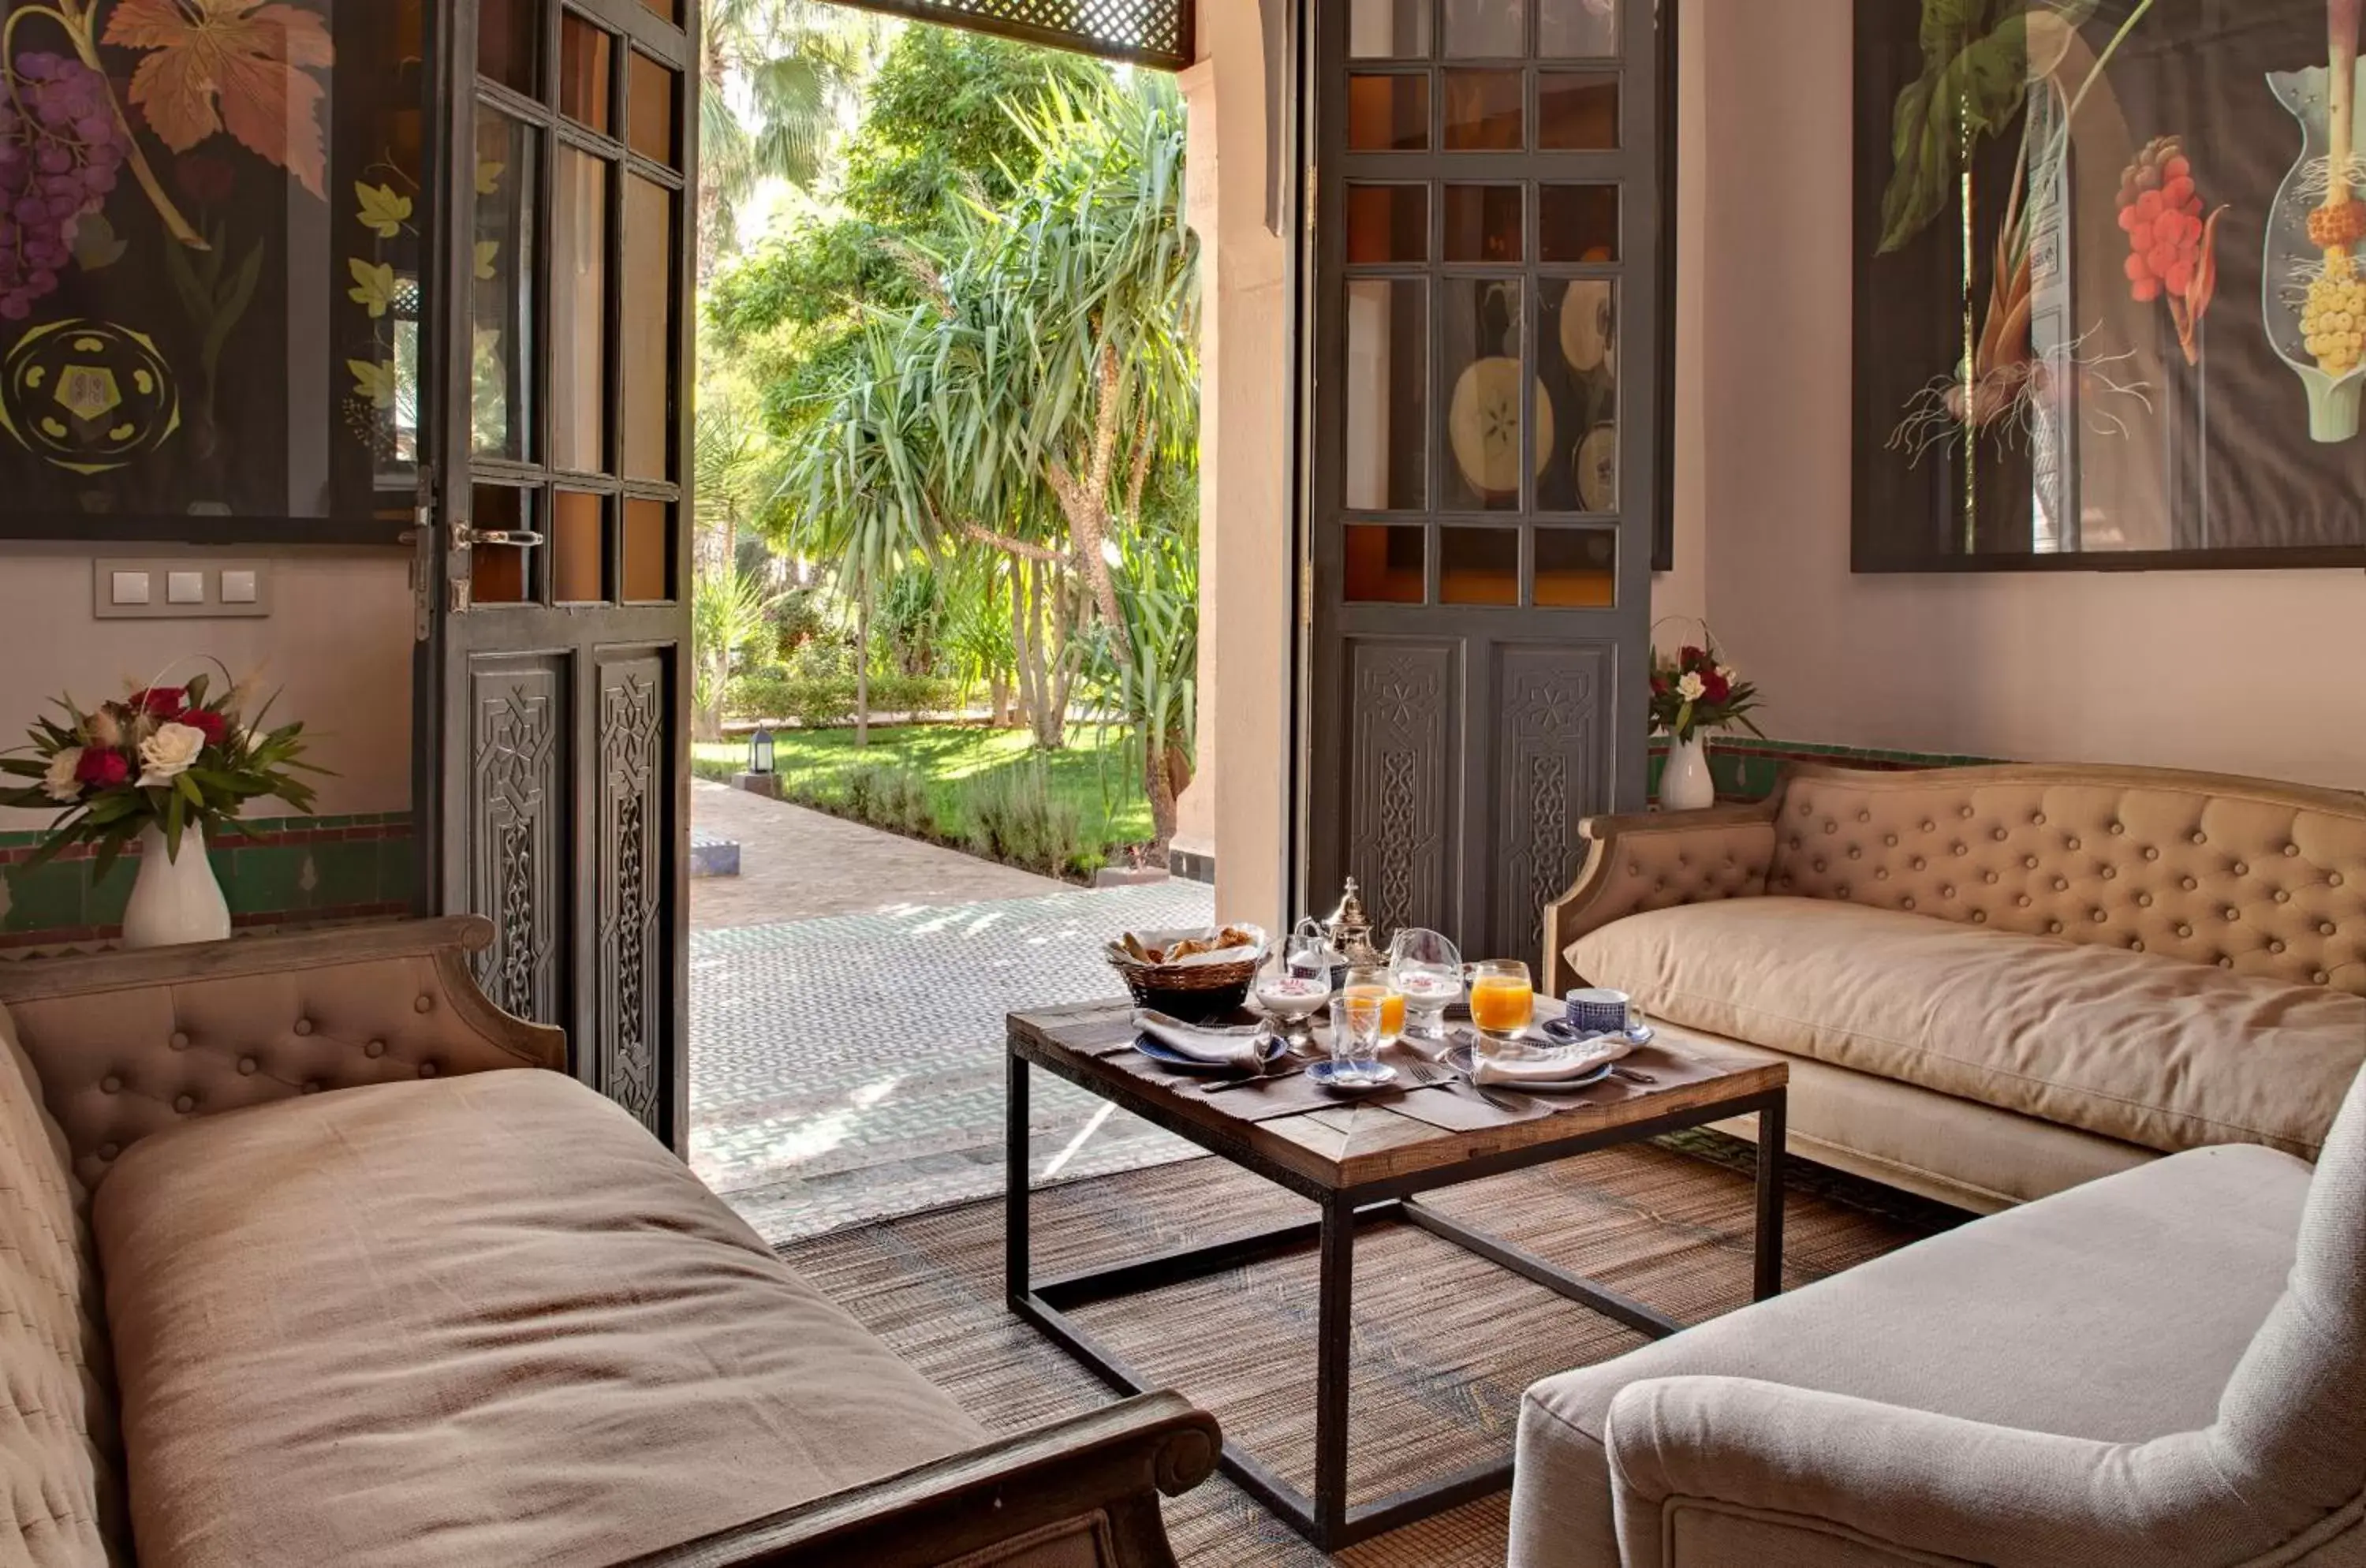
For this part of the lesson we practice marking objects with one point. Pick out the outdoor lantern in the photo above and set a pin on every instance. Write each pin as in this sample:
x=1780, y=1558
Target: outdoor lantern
x=760, y=751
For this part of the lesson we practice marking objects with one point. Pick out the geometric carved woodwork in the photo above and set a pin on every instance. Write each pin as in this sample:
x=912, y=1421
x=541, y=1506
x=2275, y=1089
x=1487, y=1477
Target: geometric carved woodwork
x=636, y=793
x=1156, y=33
x=517, y=830
x=1552, y=769
x=1402, y=816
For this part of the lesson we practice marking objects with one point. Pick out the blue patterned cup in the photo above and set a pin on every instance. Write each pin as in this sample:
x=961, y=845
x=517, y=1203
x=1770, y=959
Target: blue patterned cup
x=1599, y=1010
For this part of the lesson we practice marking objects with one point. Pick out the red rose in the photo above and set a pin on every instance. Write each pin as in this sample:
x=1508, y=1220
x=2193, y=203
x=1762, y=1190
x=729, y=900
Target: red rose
x=102, y=769
x=1691, y=659
x=1715, y=687
x=1659, y=686
x=204, y=720
x=161, y=701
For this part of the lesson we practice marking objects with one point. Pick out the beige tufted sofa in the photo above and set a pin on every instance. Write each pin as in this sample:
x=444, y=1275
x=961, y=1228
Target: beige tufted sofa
x=306, y=1258
x=1995, y=983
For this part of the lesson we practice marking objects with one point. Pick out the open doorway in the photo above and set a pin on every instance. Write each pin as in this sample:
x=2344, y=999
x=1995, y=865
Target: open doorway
x=945, y=588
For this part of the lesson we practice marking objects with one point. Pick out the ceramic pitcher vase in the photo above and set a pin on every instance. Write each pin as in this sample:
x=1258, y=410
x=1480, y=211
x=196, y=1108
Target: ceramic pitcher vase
x=175, y=900
x=1685, y=782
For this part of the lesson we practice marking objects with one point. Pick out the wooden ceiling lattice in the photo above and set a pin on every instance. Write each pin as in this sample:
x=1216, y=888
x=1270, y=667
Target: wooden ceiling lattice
x=1156, y=33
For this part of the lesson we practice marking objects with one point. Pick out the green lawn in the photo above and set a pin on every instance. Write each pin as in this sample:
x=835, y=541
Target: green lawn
x=1097, y=773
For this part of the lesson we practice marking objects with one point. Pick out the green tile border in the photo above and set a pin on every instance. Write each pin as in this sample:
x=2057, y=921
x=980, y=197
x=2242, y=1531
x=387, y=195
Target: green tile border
x=295, y=868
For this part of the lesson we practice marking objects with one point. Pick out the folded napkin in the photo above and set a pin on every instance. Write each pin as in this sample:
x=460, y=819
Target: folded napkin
x=1219, y=1045
x=1550, y=1064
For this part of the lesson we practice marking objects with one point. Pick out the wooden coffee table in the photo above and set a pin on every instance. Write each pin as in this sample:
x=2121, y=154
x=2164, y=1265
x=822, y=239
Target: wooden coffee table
x=1364, y=1161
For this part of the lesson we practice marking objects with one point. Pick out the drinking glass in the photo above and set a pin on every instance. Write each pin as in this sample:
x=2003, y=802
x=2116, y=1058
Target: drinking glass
x=1308, y=951
x=1367, y=1018
x=1503, y=1002
x=1290, y=998
x=1427, y=969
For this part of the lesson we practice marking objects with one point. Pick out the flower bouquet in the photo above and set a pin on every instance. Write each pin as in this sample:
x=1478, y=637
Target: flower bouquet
x=162, y=764
x=1696, y=693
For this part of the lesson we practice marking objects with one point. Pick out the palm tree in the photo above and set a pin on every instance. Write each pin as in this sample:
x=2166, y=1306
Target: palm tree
x=856, y=484
x=779, y=76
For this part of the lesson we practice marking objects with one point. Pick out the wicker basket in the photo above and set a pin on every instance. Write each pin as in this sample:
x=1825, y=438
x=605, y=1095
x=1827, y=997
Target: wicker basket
x=1192, y=992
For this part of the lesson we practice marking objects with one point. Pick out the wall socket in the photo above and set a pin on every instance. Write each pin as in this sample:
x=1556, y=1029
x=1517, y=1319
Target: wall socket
x=159, y=589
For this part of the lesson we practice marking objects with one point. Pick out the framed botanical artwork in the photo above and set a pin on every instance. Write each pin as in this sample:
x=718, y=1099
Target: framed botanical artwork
x=210, y=227
x=2110, y=283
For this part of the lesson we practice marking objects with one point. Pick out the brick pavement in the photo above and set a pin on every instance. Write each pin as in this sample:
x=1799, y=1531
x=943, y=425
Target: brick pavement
x=846, y=1053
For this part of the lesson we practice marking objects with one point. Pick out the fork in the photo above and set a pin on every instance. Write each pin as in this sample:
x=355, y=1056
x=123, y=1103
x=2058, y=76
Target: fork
x=1429, y=1072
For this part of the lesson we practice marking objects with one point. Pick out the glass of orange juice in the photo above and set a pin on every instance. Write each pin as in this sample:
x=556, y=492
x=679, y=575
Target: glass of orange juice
x=1367, y=1016
x=1503, y=1001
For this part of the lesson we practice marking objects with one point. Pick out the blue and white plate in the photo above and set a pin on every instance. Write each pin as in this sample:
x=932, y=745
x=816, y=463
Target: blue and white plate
x=1325, y=1075
x=1167, y=1057
x=1458, y=1058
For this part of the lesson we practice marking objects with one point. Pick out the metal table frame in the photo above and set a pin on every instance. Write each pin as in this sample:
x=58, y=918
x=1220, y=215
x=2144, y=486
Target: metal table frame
x=1326, y=1520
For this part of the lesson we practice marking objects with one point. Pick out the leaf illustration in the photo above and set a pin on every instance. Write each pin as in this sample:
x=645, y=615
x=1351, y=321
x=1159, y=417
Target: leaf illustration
x=1976, y=79
x=373, y=286
x=94, y=242
x=374, y=381
x=489, y=178
x=235, y=65
x=383, y=209
x=486, y=250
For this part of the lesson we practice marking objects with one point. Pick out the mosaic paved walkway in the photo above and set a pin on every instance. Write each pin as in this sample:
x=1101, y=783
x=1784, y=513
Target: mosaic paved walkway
x=847, y=1067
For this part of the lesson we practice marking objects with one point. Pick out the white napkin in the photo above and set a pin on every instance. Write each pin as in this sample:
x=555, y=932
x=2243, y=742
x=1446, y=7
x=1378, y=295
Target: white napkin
x=1224, y=1045
x=1550, y=1064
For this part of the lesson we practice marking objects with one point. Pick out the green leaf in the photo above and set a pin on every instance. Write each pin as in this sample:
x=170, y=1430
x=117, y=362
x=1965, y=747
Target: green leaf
x=24, y=767
x=1973, y=84
x=196, y=690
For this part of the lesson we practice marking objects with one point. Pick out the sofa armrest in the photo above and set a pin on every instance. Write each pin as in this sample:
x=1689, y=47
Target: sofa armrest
x=1092, y=1481
x=1727, y=1463
x=130, y=1044
x=1651, y=861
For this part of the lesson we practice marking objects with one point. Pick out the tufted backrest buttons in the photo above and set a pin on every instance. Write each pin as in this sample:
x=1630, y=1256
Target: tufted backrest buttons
x=2226, y=963
x=2188, y=884
x=2292, y=849
x=422, y=1004
x=2029, y=862
x=1990, y=877
x=2283, y=896
x=246, y=1066
x=1864, y=815
x=1881, y=874
x=2275, y=947
x=374, y=1049
x=2324, y=930
x=2333, y=880
x=2184, y=929
x=2151, y=853
x=308, y=1087
x=109, y=1151
x=110, y=1083
x=2071, y=844
x=1947, y=891
x=2233, y=914
x=2144, y=900
x=303, y=1026
x=185, y=1103
x=2022, y=900
x=2061, y=885
x=1918, y=862
x=2135, y=945
x=426, y=1069
x=1979, y=916
x=2201, y=838
x=2109, y=875
x=2322, y=978
x=180, y=1041
x=1890, y=838
x=1929, y=827
x=2054, y=926
x=2118, y=829
x=2242, y=870
x=2038, y=821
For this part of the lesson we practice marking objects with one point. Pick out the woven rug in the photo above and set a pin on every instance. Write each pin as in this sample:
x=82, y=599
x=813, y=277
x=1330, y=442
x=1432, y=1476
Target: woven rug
x=1444, y=1342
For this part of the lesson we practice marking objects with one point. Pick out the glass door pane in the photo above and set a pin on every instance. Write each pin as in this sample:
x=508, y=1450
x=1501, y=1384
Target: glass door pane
x=578, y=288
x=646, y=309
x=502, y=349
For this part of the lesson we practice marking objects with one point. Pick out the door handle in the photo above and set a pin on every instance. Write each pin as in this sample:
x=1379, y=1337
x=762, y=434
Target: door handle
x=464, y=535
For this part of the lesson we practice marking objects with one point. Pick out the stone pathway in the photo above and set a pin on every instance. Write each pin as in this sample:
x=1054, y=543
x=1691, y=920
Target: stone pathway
x=846, y=1054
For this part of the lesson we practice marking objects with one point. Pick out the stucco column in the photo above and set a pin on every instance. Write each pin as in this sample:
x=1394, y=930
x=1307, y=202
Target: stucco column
x=1241, y=791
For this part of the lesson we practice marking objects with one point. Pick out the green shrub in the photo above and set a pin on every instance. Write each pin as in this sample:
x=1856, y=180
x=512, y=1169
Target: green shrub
x=888, y=797
x=892, y=692
x=818, y=702
x=1011, y=815
x=757, y=697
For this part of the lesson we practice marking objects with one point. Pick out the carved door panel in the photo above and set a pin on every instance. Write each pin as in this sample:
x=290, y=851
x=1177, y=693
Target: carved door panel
x=554, y=674
x=1486, y=290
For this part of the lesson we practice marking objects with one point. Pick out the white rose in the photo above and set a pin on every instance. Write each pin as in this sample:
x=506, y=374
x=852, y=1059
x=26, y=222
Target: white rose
x=60, y=784
x=169, y=753
x=1731, y=673
x=1690, y=688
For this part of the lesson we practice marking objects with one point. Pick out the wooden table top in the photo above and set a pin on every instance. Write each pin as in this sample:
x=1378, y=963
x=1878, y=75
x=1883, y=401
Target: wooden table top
x=1338, y=1143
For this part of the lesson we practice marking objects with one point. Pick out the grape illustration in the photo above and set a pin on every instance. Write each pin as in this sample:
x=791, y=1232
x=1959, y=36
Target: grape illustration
x=62, y=148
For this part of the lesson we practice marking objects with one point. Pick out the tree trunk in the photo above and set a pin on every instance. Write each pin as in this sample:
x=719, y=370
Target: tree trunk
x=1158, y=783
x=998, y=701
x=862, y=667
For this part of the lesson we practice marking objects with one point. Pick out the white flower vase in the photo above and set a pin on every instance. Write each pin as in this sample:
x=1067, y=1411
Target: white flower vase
x=1685, y=783
x=175, y=900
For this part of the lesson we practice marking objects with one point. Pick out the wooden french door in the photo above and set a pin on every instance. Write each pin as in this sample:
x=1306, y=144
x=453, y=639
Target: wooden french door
x=553, y=671
x=1484, y=288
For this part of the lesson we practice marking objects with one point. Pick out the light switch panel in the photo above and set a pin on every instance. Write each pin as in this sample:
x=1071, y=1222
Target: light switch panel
x=189, y=588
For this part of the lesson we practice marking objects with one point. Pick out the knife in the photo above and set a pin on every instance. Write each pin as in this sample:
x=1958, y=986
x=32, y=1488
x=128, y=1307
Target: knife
x=1230, y=1084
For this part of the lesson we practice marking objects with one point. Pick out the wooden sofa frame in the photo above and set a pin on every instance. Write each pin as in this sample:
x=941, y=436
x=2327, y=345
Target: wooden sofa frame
x=1097, y=1476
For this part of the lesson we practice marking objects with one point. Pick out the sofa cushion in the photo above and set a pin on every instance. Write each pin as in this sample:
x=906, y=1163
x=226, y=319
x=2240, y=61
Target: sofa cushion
x=2116, y=1311
x=59, y=1490
x=466, y=1321
x=2149, y=1050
